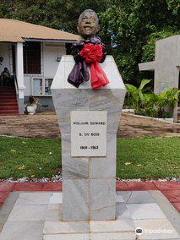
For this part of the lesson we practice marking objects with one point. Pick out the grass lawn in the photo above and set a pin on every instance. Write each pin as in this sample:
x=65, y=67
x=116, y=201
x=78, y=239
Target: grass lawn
x=146, y=157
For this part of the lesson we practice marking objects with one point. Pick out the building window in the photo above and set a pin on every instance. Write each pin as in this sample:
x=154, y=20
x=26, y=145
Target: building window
x=48, y=83
x=41, y=86
x=32, y=58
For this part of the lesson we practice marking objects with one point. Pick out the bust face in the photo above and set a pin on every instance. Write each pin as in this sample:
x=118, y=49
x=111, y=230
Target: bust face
x=88, y=25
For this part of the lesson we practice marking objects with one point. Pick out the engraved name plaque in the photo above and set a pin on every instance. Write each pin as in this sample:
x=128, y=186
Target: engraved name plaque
x=88, y=133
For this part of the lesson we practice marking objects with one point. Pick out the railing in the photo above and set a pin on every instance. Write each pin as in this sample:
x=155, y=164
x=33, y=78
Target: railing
x=176, y=113
x=16, y=86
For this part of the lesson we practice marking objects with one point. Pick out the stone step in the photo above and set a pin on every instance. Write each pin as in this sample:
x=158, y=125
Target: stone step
x=9, y=107
x=7, y=95
x=8, y=102
x=6, y=88
x=8, y=112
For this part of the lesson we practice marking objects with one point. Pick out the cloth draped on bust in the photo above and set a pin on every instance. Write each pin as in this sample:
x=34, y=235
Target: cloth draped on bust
x=88, y=52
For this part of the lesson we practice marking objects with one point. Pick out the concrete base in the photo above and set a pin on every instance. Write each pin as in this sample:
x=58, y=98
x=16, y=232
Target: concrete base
x=21, y=105
x=38, y=216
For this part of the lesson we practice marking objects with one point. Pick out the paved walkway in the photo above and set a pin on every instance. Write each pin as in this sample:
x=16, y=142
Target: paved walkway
x=171, y=190
x=139, y=215
x=46, y=126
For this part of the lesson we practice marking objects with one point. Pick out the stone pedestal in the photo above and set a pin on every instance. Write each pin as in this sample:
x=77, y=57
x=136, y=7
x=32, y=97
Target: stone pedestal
x=88, y=181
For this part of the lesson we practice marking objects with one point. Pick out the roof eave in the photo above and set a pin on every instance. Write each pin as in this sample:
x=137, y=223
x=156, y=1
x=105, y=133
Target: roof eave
x=10, y=41
x=48, y=40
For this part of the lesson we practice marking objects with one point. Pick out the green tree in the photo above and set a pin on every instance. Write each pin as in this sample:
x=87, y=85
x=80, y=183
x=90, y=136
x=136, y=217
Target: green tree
x=129, y=25
x=5, y=9
x=148, y=50
x=59, y=14
x=129, y=28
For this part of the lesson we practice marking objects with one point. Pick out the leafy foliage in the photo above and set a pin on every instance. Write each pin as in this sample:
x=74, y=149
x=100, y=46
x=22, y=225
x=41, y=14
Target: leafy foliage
x=59, y=14
x=168, y=98
x=148, y=50
x=174, y=6
x=129, y=28
x=151, y=104
x=137, y=93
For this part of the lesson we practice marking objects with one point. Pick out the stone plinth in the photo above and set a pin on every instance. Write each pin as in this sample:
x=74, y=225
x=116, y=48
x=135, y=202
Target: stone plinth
x=38, y=216
x=88, y=182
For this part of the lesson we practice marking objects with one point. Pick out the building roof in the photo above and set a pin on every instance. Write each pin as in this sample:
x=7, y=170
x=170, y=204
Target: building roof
x=16, y=31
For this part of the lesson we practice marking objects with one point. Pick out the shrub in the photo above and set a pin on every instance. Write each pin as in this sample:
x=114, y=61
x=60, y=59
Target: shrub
x=151, y=104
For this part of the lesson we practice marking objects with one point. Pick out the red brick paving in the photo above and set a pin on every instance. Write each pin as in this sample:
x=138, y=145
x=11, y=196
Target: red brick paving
x=28, y=187
x=167, y=185
x=171, y=190
x=52, y=186
x=177, y=206
x=141, y=186
x=3, y=196
x=6, y=187
x=172, y=195
x=122, y=186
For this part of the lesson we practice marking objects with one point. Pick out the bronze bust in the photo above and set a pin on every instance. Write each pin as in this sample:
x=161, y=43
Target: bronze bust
x=88, y=24
x=88, y=51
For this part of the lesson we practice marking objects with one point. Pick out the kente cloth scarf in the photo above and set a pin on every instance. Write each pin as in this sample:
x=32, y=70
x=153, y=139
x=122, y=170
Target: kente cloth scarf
x=88, y=52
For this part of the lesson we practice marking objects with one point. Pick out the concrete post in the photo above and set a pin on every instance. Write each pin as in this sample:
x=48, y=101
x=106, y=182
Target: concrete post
x=20, y=76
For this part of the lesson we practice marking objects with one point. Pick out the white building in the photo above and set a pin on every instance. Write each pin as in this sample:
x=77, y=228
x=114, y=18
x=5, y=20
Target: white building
x=32, y=54
x=166, y=67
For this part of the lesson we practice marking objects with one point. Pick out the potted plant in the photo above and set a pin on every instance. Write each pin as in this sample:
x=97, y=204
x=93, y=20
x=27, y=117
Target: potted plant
x=32, y=105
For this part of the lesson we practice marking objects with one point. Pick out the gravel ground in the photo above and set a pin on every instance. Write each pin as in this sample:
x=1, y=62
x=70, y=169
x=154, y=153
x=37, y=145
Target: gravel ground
x=58, y=178
x=46, y=126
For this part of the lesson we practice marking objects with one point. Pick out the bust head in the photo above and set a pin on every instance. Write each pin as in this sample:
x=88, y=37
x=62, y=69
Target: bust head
x=88, y=24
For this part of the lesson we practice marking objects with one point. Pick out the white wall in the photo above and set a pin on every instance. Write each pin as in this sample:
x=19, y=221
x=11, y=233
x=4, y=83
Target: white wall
x=50, y=52
x=27, y=83
x=5, y=53
x=167, y=61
